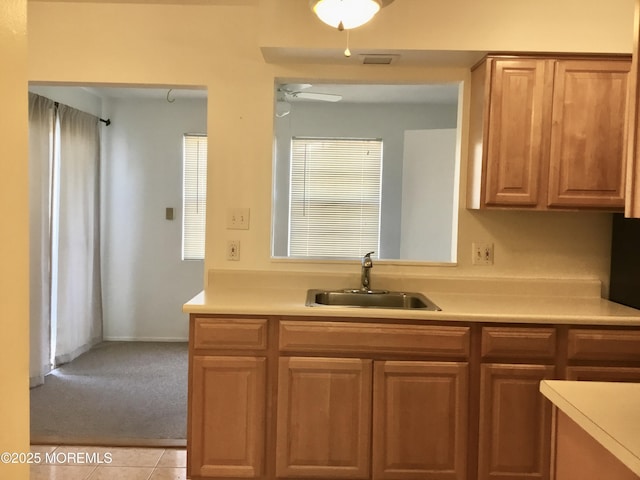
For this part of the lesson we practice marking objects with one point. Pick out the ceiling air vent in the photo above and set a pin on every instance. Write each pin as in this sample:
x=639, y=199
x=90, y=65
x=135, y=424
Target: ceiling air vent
x=378, y=59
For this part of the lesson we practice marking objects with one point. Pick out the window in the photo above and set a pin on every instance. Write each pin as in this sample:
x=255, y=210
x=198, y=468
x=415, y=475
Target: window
x=194, y=199
x=335, y=197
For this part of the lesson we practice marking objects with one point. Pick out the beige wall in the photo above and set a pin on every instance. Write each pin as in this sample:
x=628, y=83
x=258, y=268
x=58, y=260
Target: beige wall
x=543, y=25
x=14, y=238
x=219, y=46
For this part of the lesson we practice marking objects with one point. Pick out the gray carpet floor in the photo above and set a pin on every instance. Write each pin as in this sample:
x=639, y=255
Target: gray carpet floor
x=118, y=392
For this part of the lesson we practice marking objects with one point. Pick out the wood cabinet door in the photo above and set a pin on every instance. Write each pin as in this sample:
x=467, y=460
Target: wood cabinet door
x=420, y=420
x=515, y=422
x=324, y=417
x=588, y=134
x=227, y=417
x=519, y=110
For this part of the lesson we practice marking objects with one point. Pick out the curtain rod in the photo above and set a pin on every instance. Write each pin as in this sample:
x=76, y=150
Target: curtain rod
x=107, y=122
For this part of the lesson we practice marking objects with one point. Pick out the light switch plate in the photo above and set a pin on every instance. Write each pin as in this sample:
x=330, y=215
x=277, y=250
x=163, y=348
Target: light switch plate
x=238, y=219
x=482, y=253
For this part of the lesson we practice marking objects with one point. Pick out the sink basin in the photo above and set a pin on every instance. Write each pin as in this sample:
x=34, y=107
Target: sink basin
x=370, y=298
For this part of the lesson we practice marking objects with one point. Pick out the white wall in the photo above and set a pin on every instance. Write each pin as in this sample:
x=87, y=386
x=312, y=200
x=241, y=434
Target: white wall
x=145, y=282
x=429, y=196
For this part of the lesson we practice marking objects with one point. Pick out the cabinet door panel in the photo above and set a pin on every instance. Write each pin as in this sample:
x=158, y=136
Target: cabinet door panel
x=324, y=417
x=520, y=99
x=588, y=134
x=420, y=420
x=515, y=422
x=228, y=417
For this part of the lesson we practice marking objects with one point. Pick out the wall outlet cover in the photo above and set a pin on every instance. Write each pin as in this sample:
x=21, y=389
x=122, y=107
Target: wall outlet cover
x=233, y=250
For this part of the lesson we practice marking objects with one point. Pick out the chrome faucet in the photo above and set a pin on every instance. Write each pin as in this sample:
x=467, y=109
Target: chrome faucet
x=365, y=277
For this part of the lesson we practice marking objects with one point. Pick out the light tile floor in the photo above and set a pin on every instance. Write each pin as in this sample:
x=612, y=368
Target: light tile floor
x=53, y=462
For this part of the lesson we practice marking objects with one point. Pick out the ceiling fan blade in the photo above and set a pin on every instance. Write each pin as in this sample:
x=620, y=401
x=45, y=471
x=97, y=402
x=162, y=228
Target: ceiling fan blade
x=295, y=87
x=323, y=97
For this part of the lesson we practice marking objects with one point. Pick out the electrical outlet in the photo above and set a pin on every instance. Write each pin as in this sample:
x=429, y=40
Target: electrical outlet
x=482, y=253
x=233, y=250
x=238, y=219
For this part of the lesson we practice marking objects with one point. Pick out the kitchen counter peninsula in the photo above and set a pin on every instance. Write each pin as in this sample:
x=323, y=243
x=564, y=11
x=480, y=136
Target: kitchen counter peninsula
x=598, y=429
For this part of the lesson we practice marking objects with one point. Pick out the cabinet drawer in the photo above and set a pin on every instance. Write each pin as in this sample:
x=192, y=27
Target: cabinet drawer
x=344, y=337
x=499, y=342
x=604, y=374
x=230, y=334
x=595, y=344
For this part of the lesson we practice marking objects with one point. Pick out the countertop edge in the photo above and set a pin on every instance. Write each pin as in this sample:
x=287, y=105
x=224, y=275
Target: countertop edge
x=455, y=308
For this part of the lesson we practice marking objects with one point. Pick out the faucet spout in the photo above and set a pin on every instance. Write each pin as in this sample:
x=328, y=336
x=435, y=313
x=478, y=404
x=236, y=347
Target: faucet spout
x=365, y=276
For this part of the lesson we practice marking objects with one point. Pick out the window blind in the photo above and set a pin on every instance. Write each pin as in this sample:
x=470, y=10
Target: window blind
x=194, y=201
x=335, y=197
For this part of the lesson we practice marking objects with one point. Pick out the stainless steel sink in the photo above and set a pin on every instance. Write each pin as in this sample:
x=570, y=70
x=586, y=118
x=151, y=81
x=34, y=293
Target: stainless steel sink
x=369, y=298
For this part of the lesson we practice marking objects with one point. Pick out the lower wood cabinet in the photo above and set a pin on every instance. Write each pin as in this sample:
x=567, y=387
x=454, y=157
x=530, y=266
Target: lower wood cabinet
x=420, y=420
x=327, y=414
x=515, y=422
x=604, y=374
x=373, y=399
x=227, y=417
x=324, y=418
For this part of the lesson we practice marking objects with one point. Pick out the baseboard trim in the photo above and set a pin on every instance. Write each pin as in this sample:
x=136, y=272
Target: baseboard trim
x=145, y=339
x=109, y=442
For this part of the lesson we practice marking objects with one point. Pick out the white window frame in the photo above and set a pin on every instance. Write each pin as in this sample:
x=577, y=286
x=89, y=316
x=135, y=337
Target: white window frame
x=194, y=195
x=335, y=197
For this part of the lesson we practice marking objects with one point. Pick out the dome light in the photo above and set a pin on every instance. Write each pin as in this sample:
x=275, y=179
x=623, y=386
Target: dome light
x=346, y=14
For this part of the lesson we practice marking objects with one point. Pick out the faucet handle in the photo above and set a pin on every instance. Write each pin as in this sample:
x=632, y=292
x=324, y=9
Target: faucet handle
x=369, y=254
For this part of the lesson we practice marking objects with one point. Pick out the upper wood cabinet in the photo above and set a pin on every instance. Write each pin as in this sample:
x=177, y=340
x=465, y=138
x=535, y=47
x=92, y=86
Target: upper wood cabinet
x=632, y=194
x=548, y=133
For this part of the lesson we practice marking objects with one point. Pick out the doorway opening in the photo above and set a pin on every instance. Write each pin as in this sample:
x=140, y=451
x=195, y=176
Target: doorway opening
x=143, y=279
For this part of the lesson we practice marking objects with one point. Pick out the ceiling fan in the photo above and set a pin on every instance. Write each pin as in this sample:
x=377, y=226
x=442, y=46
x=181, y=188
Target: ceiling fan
x=294, y=91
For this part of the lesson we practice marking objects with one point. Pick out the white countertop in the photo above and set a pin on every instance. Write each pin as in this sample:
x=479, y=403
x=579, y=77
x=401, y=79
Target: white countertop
x=520, y=301
x=609, y=412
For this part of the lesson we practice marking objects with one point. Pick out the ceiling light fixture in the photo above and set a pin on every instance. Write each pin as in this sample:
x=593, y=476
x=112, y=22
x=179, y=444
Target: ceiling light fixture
x=347, y=14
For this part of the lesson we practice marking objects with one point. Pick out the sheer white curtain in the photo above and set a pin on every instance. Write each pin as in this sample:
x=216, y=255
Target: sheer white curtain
x=41, y=124
x=65, y=287
x=76, y=296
